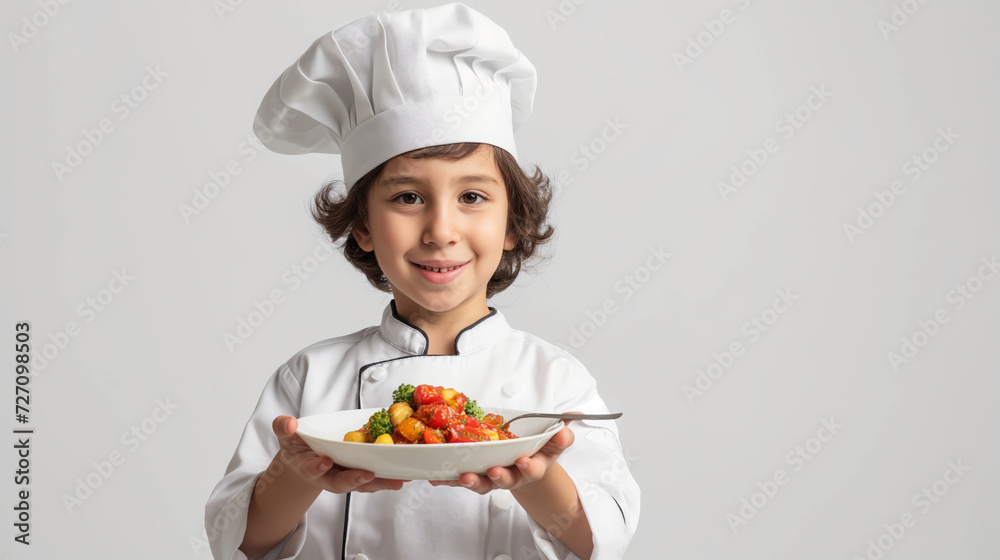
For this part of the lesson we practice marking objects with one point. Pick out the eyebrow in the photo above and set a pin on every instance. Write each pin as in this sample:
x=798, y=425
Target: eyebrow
x=389, y=182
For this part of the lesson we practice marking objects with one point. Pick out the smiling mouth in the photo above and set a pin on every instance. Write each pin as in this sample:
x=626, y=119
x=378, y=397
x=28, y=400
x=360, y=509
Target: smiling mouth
x=437, y=269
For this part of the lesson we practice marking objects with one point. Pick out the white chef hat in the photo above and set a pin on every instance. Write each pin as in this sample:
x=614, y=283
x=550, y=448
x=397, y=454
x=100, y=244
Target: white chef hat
x=394, y=82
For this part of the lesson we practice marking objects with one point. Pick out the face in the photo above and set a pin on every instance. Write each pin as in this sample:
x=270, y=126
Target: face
x=433, y=213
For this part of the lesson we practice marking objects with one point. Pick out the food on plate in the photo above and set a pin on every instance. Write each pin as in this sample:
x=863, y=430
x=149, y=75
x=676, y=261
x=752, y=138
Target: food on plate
x=430, y=414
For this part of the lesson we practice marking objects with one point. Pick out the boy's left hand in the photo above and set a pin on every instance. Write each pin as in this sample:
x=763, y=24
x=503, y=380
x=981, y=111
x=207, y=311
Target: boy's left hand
x=526, y=470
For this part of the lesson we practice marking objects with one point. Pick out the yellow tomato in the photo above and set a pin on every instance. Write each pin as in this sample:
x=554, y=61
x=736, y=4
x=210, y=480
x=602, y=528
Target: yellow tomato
x=412, y=429
x=384, y=438
x=494, y=436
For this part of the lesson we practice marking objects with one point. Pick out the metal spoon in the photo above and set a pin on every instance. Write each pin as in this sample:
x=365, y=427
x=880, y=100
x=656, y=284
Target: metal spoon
x=611, y=416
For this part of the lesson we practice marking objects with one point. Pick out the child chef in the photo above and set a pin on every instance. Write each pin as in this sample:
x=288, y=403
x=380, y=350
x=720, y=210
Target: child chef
x=422, y=105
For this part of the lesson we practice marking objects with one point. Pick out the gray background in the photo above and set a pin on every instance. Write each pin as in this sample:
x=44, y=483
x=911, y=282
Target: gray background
x=655, y=185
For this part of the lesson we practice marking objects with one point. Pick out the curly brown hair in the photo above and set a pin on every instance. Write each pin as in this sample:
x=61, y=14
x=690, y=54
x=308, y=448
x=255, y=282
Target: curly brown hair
x=528, y=199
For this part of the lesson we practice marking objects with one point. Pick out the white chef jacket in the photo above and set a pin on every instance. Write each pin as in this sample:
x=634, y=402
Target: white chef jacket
x=496, y=365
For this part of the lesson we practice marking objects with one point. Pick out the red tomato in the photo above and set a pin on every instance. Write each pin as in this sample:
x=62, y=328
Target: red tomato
x=433, y=436
x=459, y=404
x=463, y=433
x=424, y=412
x=441, y=417
x=494, y=419
x=425, y=394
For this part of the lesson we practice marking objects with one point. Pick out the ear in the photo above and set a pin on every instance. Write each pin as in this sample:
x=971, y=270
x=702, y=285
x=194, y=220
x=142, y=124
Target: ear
x=364, y=239
x=509, y=242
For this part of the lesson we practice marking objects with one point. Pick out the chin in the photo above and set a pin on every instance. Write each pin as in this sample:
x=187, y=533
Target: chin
x=438, y=306
x=441, y=302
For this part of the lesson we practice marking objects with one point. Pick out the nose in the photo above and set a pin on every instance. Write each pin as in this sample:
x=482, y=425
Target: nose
x=441, y=227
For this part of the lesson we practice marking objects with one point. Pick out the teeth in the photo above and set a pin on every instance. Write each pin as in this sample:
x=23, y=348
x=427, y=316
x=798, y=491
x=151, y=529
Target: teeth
x=437, y=269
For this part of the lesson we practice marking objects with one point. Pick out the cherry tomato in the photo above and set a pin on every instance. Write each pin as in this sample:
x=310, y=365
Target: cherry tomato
x=411, y=428
x=463, y=433
x=490, y=431
x=441, y=416
x=425, y=394
x=455, y=400
x=459, y=404
x=432, y=435
x=494, y=419
x=424, y=412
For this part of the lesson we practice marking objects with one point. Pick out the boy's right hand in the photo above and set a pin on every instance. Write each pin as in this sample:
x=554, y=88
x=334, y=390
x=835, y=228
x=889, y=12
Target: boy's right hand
x=301, y=462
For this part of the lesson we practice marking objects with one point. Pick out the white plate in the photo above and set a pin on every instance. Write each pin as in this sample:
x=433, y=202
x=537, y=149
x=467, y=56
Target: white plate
x=324, y=433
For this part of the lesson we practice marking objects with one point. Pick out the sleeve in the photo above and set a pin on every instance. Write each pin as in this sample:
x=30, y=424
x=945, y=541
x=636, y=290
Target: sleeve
x=226, y=509
x=599, y=469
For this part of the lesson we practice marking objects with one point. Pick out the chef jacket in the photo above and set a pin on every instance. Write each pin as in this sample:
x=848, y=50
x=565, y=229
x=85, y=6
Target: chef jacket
x=496, y=365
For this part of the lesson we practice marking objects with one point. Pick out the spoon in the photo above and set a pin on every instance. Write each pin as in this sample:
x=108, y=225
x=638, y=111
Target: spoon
x=611, y=416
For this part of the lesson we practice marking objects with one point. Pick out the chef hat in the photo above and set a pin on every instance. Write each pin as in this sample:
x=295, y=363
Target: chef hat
x=394, y=82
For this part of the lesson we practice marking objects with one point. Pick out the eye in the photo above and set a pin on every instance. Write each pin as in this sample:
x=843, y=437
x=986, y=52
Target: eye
x=473, y=198
x=407, y=198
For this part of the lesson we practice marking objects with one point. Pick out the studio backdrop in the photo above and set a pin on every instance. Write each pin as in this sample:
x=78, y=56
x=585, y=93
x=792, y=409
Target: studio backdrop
x=777, y=250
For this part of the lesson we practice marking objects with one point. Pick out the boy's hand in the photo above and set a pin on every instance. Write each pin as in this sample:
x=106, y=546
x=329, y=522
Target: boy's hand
x=297, y=458
x=526, y=470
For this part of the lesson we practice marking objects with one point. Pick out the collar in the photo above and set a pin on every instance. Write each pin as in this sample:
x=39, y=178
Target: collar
x=413, y=340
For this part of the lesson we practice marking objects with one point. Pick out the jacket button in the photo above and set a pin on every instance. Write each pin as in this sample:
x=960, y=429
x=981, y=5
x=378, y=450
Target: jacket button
x=511, y=388
x=502, y=499
x=502, y=557
x=377, y=374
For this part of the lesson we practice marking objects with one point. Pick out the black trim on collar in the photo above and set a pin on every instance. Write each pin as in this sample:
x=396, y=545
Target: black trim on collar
x=347, y=516
x=362, y=369
x=620, y=509
x=493, y=312
x=347, y=505
x=427, y=340
x=392, y=305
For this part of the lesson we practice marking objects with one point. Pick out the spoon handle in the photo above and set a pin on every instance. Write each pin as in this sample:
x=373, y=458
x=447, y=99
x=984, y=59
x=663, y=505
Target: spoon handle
x=610, y=416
